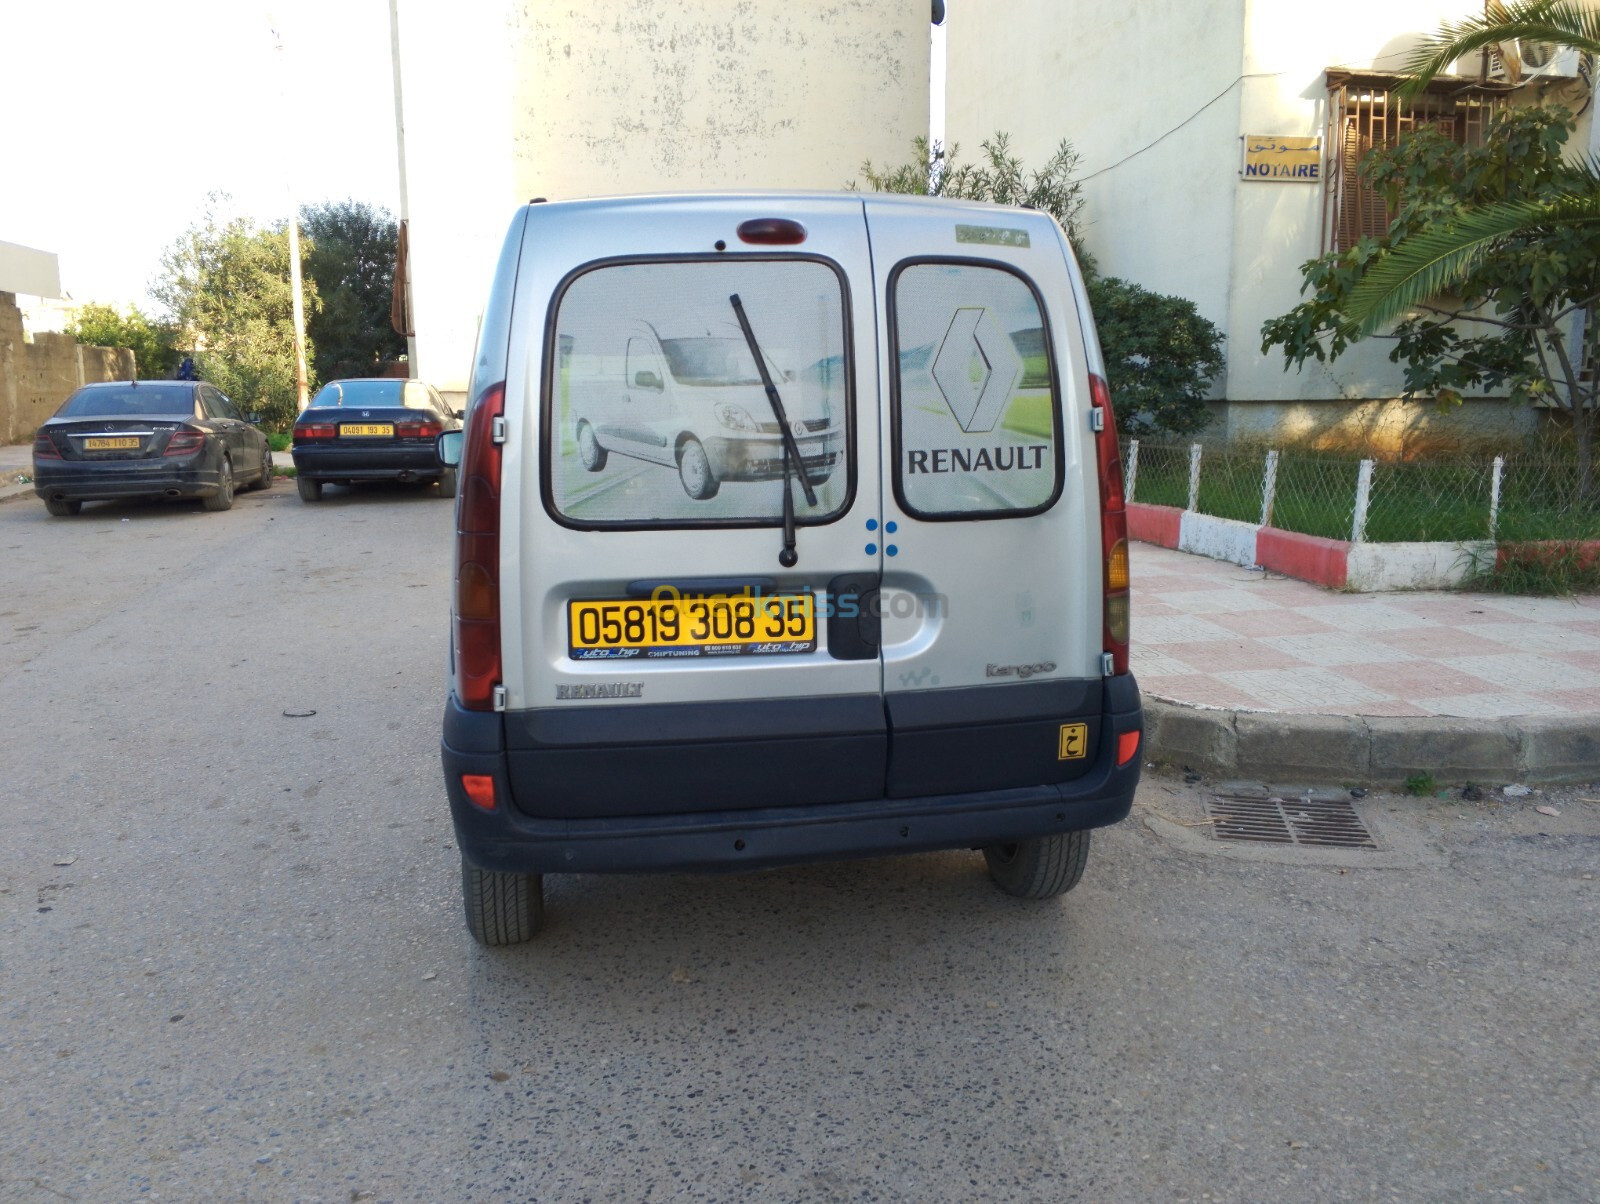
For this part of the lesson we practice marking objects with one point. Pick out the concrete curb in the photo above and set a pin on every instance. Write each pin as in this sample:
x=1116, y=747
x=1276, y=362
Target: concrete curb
x=1369, y=750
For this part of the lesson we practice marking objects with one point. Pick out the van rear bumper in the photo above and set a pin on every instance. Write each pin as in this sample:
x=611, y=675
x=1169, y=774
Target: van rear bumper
x=509, y=839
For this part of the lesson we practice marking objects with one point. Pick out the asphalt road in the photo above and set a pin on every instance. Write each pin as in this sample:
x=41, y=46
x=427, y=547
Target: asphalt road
x=233, y=965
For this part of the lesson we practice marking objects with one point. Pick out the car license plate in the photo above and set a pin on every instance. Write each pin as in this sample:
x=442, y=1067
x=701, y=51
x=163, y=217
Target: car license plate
x=367, y=430
x=688, y=626
x=113, y=443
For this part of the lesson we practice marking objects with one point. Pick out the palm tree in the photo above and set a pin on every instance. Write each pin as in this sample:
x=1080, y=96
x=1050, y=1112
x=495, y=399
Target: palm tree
x=1428, y=262
x=1570, y=23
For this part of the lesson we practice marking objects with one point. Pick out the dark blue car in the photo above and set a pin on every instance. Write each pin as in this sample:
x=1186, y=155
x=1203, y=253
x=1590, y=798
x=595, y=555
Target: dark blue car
x=382, y=429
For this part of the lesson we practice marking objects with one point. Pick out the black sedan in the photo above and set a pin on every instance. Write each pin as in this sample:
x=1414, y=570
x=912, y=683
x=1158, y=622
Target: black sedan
x=147, y=438
x=372, y=430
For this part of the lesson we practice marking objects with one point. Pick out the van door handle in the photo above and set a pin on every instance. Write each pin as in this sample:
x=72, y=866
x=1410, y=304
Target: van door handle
x=855, y=625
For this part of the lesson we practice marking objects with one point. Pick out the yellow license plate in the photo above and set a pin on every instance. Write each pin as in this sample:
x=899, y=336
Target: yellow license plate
x=114, y=443
x=367, y=430
x=679, y=626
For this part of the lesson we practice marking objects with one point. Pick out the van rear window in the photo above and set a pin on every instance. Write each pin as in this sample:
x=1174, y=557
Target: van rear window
x=656, y=414
x=977, y=421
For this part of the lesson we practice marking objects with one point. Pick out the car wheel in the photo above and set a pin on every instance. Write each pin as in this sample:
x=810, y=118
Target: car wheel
x=310, y=489
x=502, y=909
x=694, y=470
x=447, y=483
x=265, y=480
x=590, y=454
x=61, y=507
x=222, y=499
x=1040, y=867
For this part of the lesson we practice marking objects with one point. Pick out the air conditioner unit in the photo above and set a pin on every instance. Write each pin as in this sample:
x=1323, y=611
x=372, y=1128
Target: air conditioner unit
x=1542, y=58
x=1539, y=60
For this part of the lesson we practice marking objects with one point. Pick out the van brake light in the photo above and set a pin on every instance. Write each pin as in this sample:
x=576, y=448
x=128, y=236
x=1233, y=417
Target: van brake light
x=477, y=581
x=1113, y=527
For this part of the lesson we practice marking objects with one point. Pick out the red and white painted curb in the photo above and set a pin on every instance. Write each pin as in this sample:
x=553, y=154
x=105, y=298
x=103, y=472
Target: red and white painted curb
x=1335, y=563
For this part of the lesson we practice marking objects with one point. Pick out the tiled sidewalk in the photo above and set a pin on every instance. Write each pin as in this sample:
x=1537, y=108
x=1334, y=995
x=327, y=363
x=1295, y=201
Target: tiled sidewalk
x=1213, y=633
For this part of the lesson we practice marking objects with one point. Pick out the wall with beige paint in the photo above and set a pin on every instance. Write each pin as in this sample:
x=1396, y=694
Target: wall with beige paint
x=37, y=375
x=505, y=100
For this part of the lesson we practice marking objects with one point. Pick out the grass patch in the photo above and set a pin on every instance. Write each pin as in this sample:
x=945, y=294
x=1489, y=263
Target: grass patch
x=1411, y=501
x=1546, y=569
x=281, y=441
x=1419, y=784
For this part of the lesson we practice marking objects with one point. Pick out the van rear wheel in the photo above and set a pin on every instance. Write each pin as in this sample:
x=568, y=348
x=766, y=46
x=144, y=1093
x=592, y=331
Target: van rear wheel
x=1040, y=867
x=590, y=454
x=694, y=470
x=502, y=909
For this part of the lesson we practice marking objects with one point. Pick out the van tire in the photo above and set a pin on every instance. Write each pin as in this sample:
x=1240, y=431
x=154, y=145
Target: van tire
x=590, y=454
x=310, y=489
x=694, y=470
x=62, y=507
x=502, y=909
x=1040, y=867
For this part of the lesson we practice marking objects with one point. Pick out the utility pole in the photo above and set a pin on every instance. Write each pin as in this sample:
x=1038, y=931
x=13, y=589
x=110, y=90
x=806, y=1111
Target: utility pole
x=296, y=289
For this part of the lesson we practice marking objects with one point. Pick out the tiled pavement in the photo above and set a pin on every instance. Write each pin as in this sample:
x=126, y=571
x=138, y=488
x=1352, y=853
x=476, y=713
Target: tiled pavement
x=1216, y=634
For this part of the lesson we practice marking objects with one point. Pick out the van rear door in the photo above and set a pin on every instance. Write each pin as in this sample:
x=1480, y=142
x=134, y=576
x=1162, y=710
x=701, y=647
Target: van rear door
x=670, y=650
x=992, y=589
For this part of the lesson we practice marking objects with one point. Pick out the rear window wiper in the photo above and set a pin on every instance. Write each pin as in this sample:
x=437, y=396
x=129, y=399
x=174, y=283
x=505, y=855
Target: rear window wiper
x=788, y=558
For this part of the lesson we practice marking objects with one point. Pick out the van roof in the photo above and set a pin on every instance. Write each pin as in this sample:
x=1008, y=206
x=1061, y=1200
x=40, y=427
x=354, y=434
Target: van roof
x=843, y=199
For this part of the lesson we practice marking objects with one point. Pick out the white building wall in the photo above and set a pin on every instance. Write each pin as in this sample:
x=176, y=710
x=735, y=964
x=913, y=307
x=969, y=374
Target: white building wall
x=508, y=101
x=1136, y=89
x=454, y=80
x=651, y=95
x=1143, y=93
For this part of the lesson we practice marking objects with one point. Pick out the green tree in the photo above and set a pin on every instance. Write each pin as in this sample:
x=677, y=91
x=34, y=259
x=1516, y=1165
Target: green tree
x=351, y=258
x=225, y=282
x=1160, y=354
x=1435, y=259
x=1507, y=322
x=153, y=343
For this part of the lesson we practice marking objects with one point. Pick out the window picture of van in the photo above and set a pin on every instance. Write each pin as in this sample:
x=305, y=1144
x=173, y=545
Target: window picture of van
x=790, y=528
x=674, y=385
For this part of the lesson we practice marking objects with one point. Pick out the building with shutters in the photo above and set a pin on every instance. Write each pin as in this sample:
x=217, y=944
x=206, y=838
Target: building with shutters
x=1219, y=146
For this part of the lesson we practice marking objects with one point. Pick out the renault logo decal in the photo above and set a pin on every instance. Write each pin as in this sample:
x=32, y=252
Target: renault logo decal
x=976, y=368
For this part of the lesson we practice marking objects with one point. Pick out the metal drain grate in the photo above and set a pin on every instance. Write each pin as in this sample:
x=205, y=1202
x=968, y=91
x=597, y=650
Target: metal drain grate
x=1303, y=821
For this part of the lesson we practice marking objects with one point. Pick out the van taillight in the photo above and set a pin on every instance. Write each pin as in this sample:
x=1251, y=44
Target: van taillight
x=44, y=448
x=477, y=600
x=1113, y=527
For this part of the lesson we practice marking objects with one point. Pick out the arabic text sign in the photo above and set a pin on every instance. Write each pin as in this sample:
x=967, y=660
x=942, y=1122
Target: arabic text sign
x=1281, y=159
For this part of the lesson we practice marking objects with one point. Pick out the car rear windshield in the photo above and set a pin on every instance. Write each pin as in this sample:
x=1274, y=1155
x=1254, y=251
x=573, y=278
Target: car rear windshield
x=412, y=394
x=129, y=401
x=977, y=420
x=655, y=412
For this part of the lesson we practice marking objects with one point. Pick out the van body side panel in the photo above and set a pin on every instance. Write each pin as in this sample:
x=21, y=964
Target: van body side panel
x=991, y=498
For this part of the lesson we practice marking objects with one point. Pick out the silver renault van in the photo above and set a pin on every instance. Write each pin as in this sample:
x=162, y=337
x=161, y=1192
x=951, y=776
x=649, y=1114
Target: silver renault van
x=789, y=527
